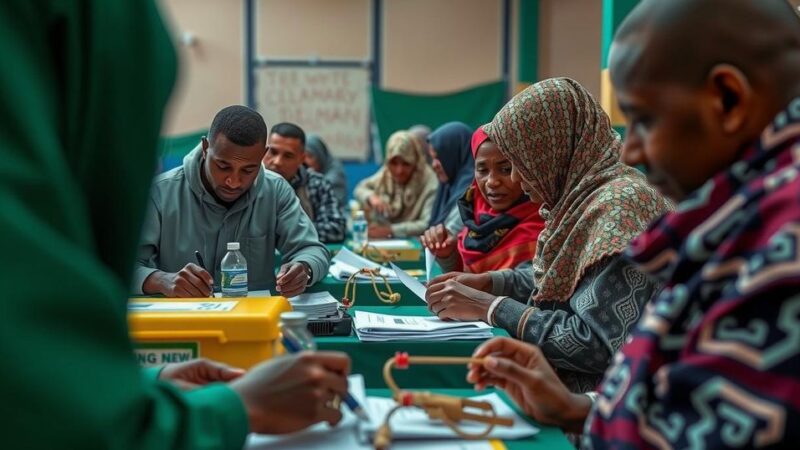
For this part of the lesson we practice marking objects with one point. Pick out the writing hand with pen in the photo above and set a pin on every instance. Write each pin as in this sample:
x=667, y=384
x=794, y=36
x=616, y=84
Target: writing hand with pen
x=190, y=282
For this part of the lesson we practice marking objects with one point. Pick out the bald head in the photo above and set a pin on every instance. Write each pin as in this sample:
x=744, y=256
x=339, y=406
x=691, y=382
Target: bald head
x=699, y=81
x=682, y=40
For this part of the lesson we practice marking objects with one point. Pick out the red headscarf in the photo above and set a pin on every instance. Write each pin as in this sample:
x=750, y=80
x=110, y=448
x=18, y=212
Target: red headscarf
x=494, y=240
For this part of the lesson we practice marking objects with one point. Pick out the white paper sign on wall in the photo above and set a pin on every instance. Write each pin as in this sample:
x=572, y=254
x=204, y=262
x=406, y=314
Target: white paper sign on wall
x=332, y=102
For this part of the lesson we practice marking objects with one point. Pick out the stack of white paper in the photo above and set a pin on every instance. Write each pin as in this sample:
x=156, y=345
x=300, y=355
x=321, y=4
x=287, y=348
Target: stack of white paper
x=316, y=305
x=384, y=327
x=414, y=423
x=346, y=263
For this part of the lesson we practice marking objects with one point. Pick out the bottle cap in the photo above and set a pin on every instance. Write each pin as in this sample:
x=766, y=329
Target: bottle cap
x=294, y=318
x=233, y=246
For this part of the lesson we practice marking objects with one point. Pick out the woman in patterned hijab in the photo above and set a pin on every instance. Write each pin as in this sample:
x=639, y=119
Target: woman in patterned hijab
x=584, y=296
x=562, y=146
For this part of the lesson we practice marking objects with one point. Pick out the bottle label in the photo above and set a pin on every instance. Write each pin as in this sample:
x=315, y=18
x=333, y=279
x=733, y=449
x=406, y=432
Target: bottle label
x=234, y=281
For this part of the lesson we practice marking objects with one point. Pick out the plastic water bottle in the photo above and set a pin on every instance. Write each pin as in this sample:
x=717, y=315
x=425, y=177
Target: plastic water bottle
x=294, y=327
x=360, y=230
x=234, y=272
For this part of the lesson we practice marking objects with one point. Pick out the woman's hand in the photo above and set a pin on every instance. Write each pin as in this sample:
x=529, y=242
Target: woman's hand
x=439, y=241
x=377, y=204
x=455, y=301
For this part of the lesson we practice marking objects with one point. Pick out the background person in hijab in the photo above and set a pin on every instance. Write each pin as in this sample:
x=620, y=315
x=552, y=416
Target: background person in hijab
x=320, y=159
x=501, y=224
x=451, y=159
x=399, y=197
x=585, y=295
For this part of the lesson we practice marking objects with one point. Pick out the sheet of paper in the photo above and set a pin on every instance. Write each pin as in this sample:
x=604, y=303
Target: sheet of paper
x=395, y=244
x=442, y=445
x=429, y=260
x=257, y=293
x=345, y=263
x=414, y=423
x=143, y=306
x=410, y=282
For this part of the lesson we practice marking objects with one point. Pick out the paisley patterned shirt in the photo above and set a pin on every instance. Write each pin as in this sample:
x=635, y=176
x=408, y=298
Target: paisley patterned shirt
x=715, y=361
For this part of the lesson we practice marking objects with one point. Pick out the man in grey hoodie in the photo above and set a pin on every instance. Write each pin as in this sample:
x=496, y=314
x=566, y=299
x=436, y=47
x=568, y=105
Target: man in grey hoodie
x=222, y=194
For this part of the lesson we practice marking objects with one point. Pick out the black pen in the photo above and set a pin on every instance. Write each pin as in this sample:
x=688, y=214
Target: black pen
x=203, y=266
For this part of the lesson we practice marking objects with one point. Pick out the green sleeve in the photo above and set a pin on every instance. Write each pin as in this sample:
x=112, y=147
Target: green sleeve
x=83, y=85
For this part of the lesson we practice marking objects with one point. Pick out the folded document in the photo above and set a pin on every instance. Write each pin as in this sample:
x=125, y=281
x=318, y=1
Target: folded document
x=346, y=263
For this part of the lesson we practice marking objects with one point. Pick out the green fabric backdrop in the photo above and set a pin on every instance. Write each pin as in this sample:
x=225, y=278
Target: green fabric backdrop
x=172, y=149
x=397, y=110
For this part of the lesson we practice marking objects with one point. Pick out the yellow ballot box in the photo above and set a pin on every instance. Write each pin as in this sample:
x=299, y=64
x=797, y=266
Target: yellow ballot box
x=238, y=331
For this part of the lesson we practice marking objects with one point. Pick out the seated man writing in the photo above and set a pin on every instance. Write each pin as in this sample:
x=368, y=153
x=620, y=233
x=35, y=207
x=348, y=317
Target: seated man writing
x=286, y=152
x=222, y=194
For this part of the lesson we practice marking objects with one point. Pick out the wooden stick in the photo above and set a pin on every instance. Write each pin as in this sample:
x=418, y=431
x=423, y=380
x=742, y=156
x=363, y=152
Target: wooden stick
x=445, y=360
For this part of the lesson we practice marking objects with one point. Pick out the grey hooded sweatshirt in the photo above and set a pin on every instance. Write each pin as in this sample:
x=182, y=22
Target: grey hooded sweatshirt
x=183, y=217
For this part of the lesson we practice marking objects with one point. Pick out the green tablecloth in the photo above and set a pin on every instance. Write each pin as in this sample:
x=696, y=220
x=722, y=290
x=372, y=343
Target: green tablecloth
x=549, y=438
x=369, y=357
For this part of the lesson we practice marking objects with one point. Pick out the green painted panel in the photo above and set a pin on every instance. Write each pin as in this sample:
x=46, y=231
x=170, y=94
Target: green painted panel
x=528, y=48
x=614, y=12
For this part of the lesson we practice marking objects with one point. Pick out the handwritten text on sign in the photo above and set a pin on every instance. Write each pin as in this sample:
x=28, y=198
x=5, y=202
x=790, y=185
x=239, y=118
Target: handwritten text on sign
x=331, y=102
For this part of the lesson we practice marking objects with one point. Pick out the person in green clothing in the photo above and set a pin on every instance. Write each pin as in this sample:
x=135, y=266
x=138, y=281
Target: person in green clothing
x=73, y=206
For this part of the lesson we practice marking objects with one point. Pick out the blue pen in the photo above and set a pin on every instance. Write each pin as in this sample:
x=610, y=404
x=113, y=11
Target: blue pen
x=293, y=347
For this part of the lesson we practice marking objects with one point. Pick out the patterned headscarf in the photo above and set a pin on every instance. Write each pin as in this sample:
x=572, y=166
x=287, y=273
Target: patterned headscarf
x=401, y=199
x=561, y=142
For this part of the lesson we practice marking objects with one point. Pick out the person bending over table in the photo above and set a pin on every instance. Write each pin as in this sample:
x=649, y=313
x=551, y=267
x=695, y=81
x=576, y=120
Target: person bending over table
x=714, y=363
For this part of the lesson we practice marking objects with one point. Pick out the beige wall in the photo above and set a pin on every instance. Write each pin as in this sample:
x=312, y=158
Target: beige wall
x=569, y=41
x=430, y=46
x=211, y=72
x=293, y=29
x=441, y=45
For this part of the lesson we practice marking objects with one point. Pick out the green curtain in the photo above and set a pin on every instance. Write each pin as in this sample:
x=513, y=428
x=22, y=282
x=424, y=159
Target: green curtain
x=172, y=149
x=397, y=110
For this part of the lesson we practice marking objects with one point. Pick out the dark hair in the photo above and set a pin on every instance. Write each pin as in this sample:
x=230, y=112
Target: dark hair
x=289, y=130
x=241, y=125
